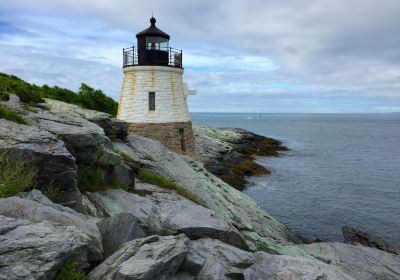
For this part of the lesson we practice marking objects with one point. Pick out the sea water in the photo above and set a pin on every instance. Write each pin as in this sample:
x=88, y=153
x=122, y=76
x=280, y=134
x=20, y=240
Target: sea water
x=341, y=169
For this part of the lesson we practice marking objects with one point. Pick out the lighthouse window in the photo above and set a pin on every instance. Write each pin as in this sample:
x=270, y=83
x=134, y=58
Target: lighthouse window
x=156, y=43
x=152, y=101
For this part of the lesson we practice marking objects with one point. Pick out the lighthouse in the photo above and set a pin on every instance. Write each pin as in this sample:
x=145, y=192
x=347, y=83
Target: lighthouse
x=154, y=97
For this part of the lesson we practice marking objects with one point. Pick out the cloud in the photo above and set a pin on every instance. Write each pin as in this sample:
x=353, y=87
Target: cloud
x=329, y=55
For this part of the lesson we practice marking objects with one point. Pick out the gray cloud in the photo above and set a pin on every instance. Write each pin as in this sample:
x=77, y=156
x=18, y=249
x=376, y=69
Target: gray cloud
x=254, y=50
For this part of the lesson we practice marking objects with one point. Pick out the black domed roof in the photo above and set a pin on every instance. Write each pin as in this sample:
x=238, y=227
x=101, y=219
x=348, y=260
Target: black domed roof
x=153, y=31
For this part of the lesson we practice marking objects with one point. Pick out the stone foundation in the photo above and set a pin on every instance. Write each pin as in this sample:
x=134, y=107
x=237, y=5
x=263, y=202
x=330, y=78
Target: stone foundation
x=176, y=136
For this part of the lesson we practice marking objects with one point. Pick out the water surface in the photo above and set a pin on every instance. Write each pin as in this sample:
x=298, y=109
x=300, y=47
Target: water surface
x=342, y=169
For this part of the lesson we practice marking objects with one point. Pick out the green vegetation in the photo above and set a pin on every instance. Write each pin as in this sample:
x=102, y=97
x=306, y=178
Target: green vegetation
x=147, y=176
x=128, y=160
x=51, y=192
x=31, y=94
x=4, y=96
x=89, y=178
x=69, y=272
x=15, y=175
x=11, y=115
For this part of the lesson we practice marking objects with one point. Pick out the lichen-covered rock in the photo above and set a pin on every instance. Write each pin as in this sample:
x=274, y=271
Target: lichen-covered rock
x=261, y=230
x=113, y=128
x=35, y=212
x=277, y=267
x=212, y=259
x=36, y=250
x=355, y=236
x=117, y=230
x=360, y=262
x=149, y=258
x=165, y=213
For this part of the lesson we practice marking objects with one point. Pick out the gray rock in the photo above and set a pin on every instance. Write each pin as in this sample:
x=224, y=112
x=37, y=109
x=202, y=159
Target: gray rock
x=86, y=141
x=36, y=250
x=39, y=197
x=113, y=128
x=360, y=262
x=221, y=148
x=117, y=230
x=260, y=229
x=212, y=259
x=147, y=258
x=166, y=213
x=355, y=236
x=275, y=267
x=35, y=212
x=46, y=154
x=182, y=276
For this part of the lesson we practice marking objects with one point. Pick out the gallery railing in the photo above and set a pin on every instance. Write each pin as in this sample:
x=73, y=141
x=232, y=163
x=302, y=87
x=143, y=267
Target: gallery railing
x=153, y=56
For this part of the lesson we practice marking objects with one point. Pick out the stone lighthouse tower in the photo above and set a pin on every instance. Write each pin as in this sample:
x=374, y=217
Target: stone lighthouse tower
x=154, y=97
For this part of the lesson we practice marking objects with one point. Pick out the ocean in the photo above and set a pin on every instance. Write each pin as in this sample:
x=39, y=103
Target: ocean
x=341, y=169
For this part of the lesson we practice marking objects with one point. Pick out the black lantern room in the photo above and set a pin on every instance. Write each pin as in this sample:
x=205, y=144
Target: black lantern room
x=153, y=49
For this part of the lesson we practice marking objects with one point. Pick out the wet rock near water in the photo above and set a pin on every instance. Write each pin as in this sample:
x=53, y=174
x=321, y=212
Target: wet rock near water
x=359, y=262
x=355, y=236
x=229, y=153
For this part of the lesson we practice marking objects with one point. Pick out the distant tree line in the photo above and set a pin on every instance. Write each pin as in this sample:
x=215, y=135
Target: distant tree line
x=32, y=94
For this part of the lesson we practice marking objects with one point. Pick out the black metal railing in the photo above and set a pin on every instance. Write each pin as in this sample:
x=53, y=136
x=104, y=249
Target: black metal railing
x=161, y=56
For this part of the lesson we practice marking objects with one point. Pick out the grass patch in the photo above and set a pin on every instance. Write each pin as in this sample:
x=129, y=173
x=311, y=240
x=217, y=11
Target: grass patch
x=147, y=176
x=51, y=192
x=15, y=175
x=69, y=272
x=128, y=160
x=11, y=115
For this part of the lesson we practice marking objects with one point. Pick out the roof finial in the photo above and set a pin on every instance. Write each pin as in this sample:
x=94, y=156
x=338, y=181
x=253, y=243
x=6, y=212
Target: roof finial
x=152, y=20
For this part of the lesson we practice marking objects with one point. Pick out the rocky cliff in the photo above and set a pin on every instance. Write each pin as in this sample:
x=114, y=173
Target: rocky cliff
x=108, y=205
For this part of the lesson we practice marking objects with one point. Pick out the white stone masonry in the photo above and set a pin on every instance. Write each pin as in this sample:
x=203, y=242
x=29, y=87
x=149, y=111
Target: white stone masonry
x=170, y=95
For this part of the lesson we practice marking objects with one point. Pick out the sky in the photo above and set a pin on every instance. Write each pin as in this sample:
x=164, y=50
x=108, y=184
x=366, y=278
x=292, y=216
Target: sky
x=267, y=56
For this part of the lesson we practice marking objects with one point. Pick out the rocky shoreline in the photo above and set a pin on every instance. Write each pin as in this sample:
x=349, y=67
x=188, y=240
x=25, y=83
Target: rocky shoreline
x=108, y=205
x=230, y=153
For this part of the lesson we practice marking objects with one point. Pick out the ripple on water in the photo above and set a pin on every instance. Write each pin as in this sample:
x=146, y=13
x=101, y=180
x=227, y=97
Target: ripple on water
x=341, y=170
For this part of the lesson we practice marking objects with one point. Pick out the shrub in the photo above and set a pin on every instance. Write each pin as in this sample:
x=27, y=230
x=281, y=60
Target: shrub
x=31, y=94
x=89, y=178
x=4, y=96
x=26, y=92
x=147, y=176
x=69, y=272
x=15, y=175
x=11, y=115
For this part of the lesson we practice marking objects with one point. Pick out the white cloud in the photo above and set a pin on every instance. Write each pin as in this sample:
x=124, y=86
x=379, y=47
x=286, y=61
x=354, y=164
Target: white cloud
x=256, y=49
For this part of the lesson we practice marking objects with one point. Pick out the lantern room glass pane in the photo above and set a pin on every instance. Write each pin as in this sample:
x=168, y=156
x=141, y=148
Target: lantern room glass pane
x=156, y=43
